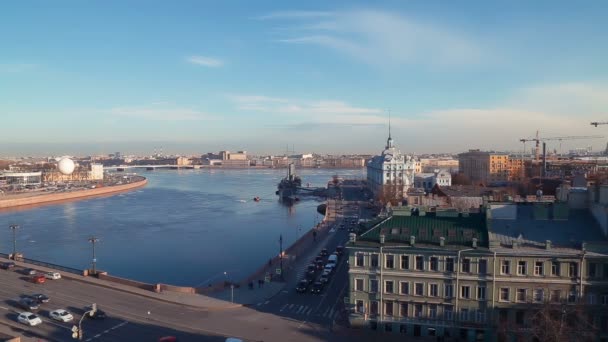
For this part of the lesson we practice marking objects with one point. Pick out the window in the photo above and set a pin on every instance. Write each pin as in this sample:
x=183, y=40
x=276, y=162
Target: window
x=448, y=313
x=464, y=314
x=449, y=264
x=433, y=290
x=434, y=264
x=388, y=327
x=573, y=270
x=555, y=268
x=359, y=260
x=374, y=262
x=373, y=285
x=373, y=308
x=433, y=311
x=556, y=296
x=358, y=284
x=483, y=266
x=520, y=295
x=505, y=267
x=465, y=292
x=481, y=316
x=388, y=286
x=390, y=261
x=403, y=328
x=592, y=271
x=605, y=271
x=449, y=291
x=604, y=299
x=591, y=298
x=404, y=288
x=420, y=263
x=539, y=295
x=521, y=268
x=359, y=307
x=519, y=317
x=538, y=268
x=504, y=294
x=405, y=262
x=481, y=293
x=419, y=289
x=466, y=265
x=403, y=309
x=388, y=308
x=417, y=310
x=572, y=296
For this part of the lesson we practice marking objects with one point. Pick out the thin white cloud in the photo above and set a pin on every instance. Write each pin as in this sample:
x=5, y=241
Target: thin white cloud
x=294, y=15
x=16, y=67
x=384, y=38
x=160, y=113
x=205, y=61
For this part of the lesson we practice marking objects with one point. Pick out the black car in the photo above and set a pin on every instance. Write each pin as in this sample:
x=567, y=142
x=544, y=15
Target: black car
x=7, y=265
x=311, y=270
x=29, y=304
x=317, y=287
x=340, y=250
x=324, y=252
x=319, y=258
x=302, y=286
x=39, y=297
x=320, y=264
x=99, y=314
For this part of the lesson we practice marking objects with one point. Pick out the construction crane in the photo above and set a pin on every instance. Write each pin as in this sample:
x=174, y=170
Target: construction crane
x=597, y=123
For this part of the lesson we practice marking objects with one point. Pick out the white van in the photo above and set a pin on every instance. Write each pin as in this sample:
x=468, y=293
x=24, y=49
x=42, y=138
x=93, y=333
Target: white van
x=333, y=259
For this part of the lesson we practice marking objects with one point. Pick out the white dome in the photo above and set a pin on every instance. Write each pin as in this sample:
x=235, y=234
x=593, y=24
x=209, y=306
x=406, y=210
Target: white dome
x=66, y=166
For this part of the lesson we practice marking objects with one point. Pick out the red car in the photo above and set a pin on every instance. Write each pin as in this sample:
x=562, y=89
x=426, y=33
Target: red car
x=38, y=279
x=168, y=339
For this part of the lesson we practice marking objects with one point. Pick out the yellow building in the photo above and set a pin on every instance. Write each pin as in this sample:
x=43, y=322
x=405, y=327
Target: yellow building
x=489, y=167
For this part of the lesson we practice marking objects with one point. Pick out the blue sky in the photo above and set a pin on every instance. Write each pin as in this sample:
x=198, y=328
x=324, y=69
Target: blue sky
x=97, y=77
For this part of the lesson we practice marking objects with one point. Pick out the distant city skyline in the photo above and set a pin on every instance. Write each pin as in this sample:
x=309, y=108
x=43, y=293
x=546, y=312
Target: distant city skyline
x=192, y=77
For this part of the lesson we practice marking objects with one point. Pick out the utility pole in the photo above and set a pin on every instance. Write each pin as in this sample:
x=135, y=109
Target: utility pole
x=14, y=228
x=93, y=240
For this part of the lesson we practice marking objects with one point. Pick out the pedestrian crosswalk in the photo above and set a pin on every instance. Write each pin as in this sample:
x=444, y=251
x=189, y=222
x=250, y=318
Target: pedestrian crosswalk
x=307, y=310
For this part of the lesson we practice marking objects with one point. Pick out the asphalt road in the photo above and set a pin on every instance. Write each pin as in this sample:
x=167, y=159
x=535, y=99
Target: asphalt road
x=288, y=316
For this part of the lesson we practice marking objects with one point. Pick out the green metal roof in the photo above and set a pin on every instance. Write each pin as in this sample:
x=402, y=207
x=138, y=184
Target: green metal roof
x=428, y=229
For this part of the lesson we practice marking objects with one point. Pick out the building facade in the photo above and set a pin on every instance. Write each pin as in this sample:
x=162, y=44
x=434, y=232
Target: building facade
x=390, y=174
x=457, y=277
x=427, y=181
x=485, y=167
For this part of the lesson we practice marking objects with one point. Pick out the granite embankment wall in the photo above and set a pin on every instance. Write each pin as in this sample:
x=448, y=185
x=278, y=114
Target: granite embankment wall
x=56, y=197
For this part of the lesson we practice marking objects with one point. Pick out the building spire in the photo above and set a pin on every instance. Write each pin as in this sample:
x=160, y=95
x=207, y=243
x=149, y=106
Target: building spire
x=389, y=141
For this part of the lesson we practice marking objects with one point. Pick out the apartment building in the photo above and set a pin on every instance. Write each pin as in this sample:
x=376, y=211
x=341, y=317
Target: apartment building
x=476, y=277
x=489, y=167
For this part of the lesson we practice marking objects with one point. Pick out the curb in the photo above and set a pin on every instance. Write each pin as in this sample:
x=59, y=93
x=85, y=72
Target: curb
x=22, y=331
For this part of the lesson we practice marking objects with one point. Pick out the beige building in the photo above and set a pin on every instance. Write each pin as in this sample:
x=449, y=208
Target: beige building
x=485, y=167
x=479, y=277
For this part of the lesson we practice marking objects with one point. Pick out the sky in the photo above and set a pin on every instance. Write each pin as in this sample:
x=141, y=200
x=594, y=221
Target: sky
x=190, y=77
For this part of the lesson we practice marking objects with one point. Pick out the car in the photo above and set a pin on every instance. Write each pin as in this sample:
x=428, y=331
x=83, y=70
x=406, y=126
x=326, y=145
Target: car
x=38, y=279
x=168, y=339
x=99, y=314
x=29, y=271
x=319, y=258
x=324, y=279
x=29, y=319
x=28, y=304
x=320, y=264
x=302, y=286
x=311, y=270
x=52, y=275
x=7, y=265
x=40, y=298
x=329, y=268
x=61, y=315
x=351, y=229
x=324, y=252
x=341, y=226
x=340, y=250
x=317, y=287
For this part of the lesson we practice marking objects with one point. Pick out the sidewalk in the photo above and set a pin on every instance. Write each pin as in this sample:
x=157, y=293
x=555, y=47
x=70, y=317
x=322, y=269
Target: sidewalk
x=13, y=332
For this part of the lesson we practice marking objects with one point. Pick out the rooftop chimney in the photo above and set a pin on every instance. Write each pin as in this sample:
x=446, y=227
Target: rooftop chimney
x=474, y=242
x=442, y=241
x=412, y=240
x=352, y=237
x=548, y=244
x=382, y=237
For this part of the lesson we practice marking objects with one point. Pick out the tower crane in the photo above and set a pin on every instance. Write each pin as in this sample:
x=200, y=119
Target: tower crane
x=597, y=123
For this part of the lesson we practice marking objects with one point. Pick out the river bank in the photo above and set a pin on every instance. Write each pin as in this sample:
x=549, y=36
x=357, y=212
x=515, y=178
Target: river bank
x=43, y=198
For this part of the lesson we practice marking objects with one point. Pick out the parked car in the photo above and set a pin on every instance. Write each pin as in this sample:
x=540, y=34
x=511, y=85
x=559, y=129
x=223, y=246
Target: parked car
x=317, y=287
x=29, y=304
x=52, y=275
x=40, y=298
x=302, y=286
x=38, y=279
x=29, y=319
x=61, y=315
x=168, y=339
x=29, y=271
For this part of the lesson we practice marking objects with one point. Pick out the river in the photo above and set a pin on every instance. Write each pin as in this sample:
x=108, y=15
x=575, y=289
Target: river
x=185, y=227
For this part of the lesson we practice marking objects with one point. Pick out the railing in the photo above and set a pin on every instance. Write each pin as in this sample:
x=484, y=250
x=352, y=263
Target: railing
x=46, y=264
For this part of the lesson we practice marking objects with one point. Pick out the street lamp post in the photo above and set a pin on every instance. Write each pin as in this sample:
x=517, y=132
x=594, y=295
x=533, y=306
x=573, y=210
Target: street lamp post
x=93, y=240
x=14, y=228
x=281, y=253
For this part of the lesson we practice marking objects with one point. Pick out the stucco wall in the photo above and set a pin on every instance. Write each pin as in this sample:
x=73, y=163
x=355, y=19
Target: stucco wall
x=46, y=198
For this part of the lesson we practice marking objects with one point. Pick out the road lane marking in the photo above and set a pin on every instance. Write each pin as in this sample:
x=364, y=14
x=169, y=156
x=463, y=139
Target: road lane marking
x=300, y=309
x=308, y=311
x=3, y=307
x=258, y=304
x=266, y=302
x=283, y=308
x=331, y=312
x=290, y=306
